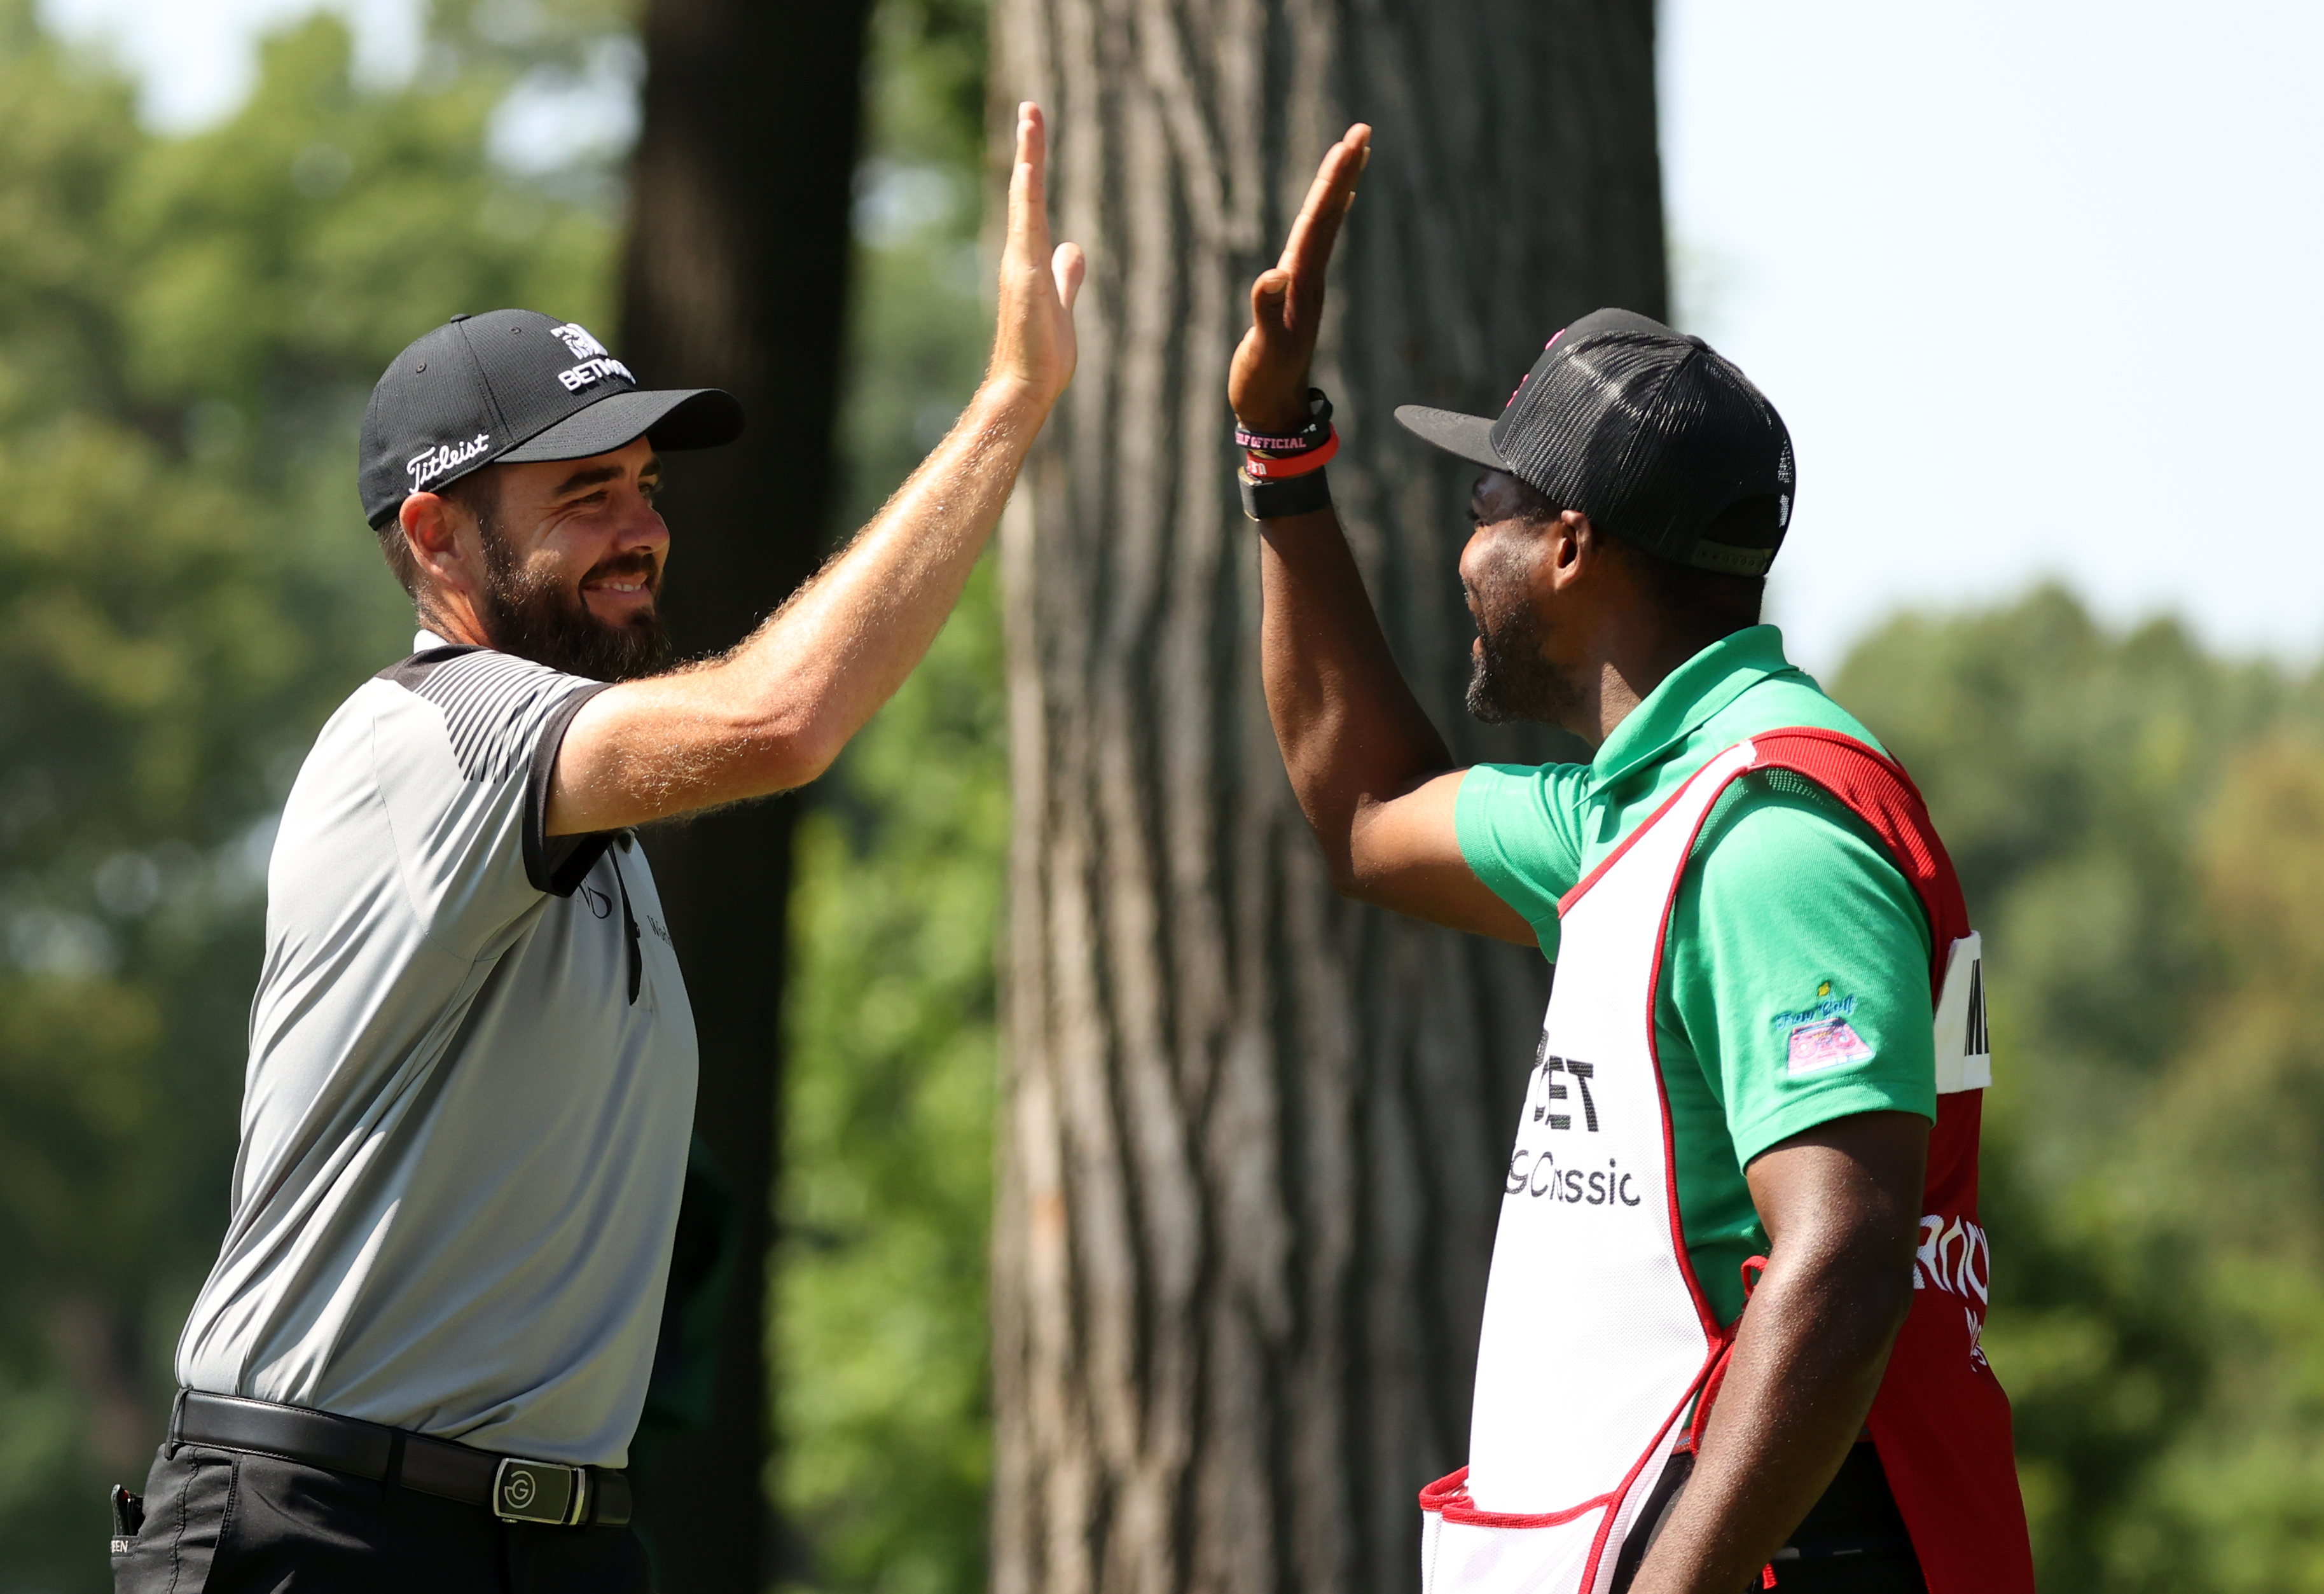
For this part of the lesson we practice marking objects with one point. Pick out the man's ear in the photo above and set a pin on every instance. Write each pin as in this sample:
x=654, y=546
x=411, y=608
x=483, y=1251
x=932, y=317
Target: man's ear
x=1574, y=545
x=431, y=534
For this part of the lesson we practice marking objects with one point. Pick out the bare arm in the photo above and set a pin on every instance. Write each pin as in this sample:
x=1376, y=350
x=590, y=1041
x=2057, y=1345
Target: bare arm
x=1374, y=778
x=775, y=712
x=1842, y=1204
x=1372, y=775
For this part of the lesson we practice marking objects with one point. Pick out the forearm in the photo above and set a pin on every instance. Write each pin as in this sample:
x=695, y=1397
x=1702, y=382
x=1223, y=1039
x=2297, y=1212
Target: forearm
x=1813, y=1346
x=772, y=713
x=822, y=666
x=1351, y=731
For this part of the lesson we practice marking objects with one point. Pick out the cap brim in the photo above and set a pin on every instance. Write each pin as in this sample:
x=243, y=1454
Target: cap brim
x=1468, y=436
x=675, y=418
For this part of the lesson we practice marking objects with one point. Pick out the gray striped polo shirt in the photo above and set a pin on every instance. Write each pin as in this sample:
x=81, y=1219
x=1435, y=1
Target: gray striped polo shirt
x=470, y=1090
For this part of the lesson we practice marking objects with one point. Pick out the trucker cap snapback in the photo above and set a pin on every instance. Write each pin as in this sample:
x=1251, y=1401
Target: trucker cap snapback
x=1652, y=433
x=510, y=386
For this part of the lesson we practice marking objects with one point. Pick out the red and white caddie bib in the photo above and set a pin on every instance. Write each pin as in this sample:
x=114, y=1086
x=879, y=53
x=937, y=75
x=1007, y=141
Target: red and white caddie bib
x=1597, y=1336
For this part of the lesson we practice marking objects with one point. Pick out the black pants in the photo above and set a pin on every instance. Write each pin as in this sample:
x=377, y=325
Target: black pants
x=1852, y=1542
x=222, y=1522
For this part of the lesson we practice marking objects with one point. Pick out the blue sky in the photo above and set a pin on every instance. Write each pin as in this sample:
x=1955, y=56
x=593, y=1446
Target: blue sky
x=2032, y=280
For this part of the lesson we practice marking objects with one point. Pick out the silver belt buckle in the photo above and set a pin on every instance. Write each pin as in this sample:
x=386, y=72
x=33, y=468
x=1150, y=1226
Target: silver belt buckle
x=547, y=1492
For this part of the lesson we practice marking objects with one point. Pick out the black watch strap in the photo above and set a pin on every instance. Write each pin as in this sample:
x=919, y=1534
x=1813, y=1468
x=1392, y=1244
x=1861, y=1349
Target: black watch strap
x=1296, y=495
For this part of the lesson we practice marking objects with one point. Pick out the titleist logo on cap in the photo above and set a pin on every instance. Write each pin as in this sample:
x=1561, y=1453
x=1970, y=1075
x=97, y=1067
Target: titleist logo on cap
x=429, y=463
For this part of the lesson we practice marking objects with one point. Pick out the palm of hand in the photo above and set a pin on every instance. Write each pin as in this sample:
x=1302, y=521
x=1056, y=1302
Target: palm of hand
x=1268, y=382
x=1034, y=342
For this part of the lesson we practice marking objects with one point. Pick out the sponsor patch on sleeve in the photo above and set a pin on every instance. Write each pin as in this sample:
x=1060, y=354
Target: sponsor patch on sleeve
x=1830, y=1043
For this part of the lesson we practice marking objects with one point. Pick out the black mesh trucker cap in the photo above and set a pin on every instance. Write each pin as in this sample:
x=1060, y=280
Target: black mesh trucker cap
x=1654, y=435
x=515, y=386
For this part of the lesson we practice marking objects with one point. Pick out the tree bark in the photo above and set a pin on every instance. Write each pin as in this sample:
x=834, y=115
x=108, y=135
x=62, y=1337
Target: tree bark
x=735, y=277
x=1253, y=1135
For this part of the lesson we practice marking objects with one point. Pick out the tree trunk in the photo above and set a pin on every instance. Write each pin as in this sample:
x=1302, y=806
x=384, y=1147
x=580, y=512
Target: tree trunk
x=735, y=278
x=1253, y=1135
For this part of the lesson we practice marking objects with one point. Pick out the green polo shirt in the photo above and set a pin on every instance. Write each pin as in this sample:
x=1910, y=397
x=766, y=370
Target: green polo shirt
x=1795, y=976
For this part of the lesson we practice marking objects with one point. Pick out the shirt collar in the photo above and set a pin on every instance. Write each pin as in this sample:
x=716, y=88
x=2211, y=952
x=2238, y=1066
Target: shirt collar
x=1688, y=696
x=425, y=639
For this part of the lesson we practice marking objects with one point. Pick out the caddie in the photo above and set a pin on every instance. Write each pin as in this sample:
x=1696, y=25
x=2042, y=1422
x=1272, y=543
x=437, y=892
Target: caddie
x=1732, y=1334
x=421, y=1358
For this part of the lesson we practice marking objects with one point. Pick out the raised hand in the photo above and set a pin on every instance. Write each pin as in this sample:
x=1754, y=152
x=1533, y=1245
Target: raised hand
x=1033, y=343
x=1268, y=382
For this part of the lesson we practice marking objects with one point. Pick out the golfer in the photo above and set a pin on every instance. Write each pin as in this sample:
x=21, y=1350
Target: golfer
x=421, y=1357
x=1759, y=1076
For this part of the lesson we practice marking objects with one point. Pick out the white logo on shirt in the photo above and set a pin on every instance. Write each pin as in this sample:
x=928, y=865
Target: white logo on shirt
x=431, y=464
x=1955, y=1257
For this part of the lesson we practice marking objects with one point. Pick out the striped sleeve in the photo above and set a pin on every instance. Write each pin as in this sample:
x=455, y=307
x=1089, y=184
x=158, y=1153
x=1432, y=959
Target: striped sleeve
x=489, y=702
x=464, y=748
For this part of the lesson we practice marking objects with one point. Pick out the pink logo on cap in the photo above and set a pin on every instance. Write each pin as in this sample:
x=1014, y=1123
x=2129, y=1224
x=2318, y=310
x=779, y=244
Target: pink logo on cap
x=1529, y=375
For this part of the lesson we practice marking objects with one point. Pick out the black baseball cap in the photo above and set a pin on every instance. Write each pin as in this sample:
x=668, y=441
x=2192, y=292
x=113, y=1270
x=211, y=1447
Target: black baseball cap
x=1652, y=433
x=514, y=385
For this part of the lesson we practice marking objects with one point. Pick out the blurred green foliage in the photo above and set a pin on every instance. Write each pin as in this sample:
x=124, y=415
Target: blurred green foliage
x=188, y=328
x=2139, y=827
x=879, y=1321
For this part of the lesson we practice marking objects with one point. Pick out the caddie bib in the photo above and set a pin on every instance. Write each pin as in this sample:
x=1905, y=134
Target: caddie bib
x=1598, y=1338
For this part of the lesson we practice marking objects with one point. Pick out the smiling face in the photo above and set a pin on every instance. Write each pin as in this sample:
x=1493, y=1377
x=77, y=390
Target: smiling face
x=571, y=561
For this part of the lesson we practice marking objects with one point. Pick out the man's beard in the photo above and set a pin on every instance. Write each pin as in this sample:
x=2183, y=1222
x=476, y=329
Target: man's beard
x=533, y=615
x=1510, y=680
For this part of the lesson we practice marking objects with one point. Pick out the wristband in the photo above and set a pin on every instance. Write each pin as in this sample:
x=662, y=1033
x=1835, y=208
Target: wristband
x=1273, y=501
x=1268, y=467
x=1311, y=436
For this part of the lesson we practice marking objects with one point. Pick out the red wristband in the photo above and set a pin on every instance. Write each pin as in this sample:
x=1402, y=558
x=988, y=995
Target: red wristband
x=1270, y=468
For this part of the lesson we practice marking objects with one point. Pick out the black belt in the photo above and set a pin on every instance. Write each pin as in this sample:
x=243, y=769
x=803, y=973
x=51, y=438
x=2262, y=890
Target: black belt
x=512, y=1488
